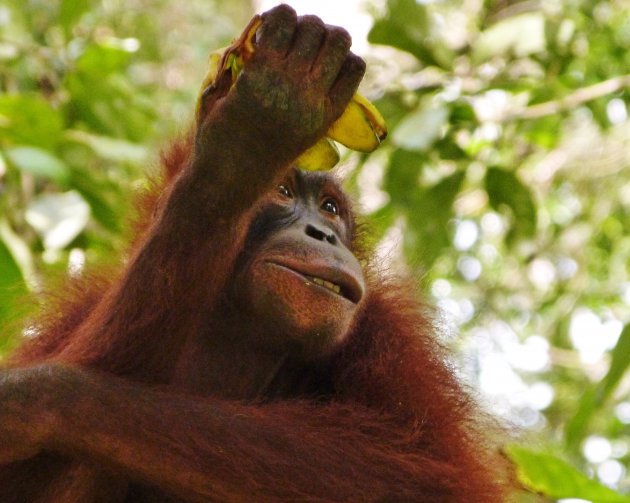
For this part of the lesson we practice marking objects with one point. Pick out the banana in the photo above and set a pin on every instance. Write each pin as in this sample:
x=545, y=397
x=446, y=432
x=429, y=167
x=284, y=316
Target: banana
x=360, y=127
x=321, y=156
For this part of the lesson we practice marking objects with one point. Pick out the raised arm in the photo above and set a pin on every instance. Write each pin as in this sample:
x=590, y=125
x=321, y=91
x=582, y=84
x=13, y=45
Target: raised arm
x=298, y=81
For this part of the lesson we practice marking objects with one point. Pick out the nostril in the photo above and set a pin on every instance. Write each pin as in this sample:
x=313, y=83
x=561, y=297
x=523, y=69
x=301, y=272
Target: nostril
x=315, y=233
x=320, y=235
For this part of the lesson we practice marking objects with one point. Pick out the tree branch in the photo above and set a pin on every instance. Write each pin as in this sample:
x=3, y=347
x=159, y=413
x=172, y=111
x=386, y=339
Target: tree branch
x=572, y=100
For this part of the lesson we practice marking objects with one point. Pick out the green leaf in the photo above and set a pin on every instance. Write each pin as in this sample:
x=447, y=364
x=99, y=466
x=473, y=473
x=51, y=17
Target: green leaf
x=113, y=149
x=575, y=428
x=10, y=273
x=380, y=222
x=427, y=211
x=12, y=288
x=94, y=192
x=522, y=34
x=393, y=107
x=447, y=148
x=407, y=26
x=101, y=93
x=618, y=366
x=462, y=113
x=594, y=398
x=506, y=190
x=428, y=220
x=38, y=162
x=103, y=59
x=29, y=119
x=441, y=195
x=421, y=128
x=70, y=11
x=545, y=132
x=547, y=474
x=402, y=176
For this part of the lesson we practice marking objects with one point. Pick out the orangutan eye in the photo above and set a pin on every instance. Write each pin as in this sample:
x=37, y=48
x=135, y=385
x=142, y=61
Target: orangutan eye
x=285, y=191
x=330, y=206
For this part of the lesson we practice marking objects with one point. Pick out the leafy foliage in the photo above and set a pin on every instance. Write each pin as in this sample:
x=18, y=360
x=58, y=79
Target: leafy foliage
x=80, y=95
x=504, y=184
x=507, y=173
x=547, y=474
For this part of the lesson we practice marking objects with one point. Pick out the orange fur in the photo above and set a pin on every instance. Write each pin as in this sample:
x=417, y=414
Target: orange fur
x=397, y=413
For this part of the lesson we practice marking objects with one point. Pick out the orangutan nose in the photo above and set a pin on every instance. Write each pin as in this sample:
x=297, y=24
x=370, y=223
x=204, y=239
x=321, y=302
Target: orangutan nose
x=320, y=235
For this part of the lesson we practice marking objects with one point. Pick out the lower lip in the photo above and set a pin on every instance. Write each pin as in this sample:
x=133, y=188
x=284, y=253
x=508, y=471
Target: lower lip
x=307, y=280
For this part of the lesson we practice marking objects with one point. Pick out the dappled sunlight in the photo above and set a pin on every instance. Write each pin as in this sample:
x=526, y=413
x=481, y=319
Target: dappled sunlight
x=503, y=188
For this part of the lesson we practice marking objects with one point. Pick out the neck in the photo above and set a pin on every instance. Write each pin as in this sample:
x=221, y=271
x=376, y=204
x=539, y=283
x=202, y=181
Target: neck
x=223, y=361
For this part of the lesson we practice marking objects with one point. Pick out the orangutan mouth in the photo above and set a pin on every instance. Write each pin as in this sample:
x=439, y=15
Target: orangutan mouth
x=324, y=283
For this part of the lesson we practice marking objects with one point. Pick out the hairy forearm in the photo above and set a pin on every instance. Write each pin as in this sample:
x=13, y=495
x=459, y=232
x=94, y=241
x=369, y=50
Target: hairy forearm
x=141, y=431
x=203, y=449
x=230, y=167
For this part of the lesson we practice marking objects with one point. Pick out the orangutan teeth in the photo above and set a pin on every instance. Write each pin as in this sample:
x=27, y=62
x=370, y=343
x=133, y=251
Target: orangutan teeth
x=325, y=284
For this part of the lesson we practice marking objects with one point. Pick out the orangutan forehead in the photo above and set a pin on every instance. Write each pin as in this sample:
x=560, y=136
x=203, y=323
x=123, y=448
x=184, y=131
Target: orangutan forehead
x=319, y=181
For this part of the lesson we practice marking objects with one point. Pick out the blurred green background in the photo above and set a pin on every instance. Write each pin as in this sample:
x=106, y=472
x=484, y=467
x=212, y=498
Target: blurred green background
x=504, y=185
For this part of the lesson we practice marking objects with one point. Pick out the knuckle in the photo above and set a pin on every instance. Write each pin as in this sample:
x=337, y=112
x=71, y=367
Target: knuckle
x=339, y=36
x=312, y=22
x=356, y=63
x=283, y=11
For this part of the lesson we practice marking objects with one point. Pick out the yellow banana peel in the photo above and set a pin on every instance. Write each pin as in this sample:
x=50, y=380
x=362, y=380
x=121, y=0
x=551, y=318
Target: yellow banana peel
x=321, y=156
x=360, y=127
